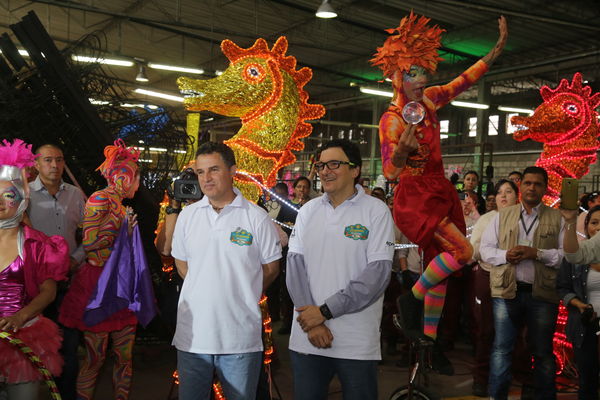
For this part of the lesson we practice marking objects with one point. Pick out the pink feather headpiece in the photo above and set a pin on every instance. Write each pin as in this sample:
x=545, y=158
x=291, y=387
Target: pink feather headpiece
x=18, y=154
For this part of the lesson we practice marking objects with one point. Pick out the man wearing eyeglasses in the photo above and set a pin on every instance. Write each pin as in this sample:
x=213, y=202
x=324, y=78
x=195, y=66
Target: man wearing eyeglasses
x=339, y=263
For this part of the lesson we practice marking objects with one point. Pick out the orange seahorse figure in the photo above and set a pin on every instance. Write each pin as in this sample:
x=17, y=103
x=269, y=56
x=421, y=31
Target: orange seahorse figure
x=567, y=124
x=262, y=88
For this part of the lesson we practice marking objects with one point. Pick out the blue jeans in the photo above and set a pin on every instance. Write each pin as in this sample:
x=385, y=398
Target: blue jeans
x=312, y=375
x=238, y=374
x=540, y=318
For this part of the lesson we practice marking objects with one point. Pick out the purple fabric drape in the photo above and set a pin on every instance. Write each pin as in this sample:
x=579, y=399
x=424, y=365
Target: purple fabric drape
x=124, y=282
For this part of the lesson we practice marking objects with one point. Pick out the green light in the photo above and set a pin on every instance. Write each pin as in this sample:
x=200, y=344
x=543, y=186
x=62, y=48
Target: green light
x=477, y=47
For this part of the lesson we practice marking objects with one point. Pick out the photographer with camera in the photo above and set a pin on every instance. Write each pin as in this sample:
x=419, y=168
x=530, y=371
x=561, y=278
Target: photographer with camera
x=185, y=191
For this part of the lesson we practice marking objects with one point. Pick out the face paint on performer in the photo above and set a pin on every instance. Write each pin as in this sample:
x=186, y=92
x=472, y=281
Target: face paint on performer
x=413, y=82
x=123, y=179
x=135, y=185
x=10, y=198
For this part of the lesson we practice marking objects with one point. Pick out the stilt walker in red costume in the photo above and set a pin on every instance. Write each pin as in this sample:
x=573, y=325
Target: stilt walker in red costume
x=426, y=207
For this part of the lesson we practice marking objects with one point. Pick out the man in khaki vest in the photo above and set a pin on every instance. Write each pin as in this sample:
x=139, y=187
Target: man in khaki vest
x=524, y=245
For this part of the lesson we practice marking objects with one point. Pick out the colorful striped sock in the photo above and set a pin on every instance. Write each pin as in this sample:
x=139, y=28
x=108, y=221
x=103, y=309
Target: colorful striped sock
x=442, y=266
x=432, y=310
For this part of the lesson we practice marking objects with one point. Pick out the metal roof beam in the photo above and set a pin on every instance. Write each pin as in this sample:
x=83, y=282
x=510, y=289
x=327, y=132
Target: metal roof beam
x=369, y=28
x=505, y=11
x=166, y=25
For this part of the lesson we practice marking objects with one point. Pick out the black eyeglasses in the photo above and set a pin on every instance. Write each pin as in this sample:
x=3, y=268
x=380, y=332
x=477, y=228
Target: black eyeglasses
x=332, y=164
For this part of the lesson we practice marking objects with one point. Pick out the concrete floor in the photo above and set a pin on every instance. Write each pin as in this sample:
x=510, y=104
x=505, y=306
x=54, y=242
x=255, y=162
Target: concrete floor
x=154, y=364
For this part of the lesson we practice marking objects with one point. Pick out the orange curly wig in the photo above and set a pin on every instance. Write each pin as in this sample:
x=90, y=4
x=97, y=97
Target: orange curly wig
x=117, y=155
x=411, y=43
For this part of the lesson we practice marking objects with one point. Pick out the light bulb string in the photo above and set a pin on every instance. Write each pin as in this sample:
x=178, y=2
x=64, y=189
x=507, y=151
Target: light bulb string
x=266, y=189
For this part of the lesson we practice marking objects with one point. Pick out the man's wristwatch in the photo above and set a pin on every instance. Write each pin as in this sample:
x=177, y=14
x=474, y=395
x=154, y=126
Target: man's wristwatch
x=325, y=311
x=172, y=210
x=539, y=255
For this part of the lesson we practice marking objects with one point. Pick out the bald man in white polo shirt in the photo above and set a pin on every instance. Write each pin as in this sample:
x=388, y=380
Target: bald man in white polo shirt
x=339, y=264
x=227, y=250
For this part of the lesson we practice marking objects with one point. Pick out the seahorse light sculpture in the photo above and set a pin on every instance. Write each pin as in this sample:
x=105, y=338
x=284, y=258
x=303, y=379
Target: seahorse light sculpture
x=567, y=124
x=262, y=88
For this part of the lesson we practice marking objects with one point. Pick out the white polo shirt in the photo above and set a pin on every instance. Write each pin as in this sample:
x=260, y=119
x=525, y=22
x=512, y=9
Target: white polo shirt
x=337, y=244
x=218, y=310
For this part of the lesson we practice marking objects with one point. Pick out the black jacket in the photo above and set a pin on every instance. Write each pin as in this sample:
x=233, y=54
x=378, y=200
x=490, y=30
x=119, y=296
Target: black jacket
x=571, y=282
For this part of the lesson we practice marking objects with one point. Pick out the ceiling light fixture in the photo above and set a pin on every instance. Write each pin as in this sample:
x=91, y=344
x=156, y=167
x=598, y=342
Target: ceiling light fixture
x=325, y=10
x=515, y=110
x=22, y=52
x=468, y=104
x=141, y=76
x=129, y=105
x=176, y=69
x=108, y=61
x=160, y=95
x=98, y=102
x=377, y=92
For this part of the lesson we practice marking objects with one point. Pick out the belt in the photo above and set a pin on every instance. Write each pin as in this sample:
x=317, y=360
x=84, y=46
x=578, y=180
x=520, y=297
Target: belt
x=524, y=287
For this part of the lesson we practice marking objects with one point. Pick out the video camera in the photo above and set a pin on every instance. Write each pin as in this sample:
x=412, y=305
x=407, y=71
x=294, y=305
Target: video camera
x=186, y=186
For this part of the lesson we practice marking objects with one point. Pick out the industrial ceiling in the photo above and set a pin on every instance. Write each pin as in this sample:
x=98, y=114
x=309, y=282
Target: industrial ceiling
x=548, y=40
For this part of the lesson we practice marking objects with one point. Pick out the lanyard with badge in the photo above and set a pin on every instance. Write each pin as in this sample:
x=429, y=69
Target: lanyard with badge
x=524, y=241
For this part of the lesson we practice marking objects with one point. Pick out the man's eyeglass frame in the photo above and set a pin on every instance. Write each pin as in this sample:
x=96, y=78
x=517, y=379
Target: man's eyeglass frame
x=333, y=164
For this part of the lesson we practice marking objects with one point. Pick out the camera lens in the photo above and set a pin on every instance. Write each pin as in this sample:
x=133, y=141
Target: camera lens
x=188, y=188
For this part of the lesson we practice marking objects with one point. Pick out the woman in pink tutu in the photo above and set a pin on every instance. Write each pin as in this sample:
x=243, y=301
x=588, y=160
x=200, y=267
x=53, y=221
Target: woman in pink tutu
x=104, y=216
x=30, y=265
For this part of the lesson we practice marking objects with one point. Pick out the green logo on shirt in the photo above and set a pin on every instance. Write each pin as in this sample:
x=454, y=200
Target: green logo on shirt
x=241, y=237
x=356, y=232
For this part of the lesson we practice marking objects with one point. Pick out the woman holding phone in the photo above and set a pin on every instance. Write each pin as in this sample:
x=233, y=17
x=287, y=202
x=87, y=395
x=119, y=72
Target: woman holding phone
x=578, y=285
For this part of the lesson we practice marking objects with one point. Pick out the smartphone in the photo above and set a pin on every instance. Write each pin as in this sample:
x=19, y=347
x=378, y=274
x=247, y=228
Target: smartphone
x=569, y=194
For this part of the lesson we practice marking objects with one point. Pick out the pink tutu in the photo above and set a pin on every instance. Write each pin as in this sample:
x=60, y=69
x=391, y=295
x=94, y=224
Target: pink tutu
x=44, y=339
x=73, y=306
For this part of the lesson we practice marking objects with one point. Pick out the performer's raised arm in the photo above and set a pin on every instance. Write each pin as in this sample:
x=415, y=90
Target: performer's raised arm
x=442, y=95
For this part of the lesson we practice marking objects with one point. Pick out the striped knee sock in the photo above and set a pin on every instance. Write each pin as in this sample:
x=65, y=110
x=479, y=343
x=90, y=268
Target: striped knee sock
x=434, y=304
x=442, y=266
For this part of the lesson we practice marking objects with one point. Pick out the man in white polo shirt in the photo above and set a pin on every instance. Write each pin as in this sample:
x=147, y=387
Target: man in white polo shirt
x=339, y=264
x=227, y=250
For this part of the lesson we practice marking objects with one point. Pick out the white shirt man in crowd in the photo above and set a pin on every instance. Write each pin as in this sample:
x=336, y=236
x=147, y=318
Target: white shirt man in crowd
x=56, y=208
x=523, y=243
x=227, y=251
x=339, y=264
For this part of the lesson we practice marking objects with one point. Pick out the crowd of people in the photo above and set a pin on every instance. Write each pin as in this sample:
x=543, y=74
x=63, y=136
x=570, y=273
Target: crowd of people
x=509, y=293
x=501, y=258
x=55, y=245
x=340, y=259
